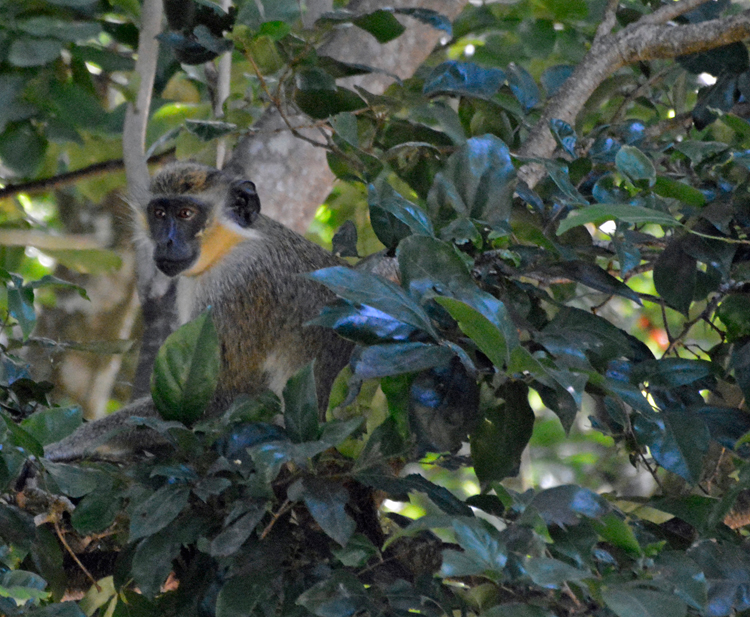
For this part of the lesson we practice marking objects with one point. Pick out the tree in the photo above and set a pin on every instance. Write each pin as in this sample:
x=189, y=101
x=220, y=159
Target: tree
x=564, y=188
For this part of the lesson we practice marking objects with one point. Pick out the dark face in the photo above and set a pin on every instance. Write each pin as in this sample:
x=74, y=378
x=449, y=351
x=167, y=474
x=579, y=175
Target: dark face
x=175, y=223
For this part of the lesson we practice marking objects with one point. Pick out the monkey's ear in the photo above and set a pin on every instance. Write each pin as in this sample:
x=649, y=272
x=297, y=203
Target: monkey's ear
x=244, y=204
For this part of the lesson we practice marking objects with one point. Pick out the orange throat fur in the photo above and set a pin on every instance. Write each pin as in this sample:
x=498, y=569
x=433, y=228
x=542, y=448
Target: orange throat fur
x=216, y=242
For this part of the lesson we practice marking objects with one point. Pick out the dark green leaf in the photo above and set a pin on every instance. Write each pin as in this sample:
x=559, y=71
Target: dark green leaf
x=255, y=14
x=463, y=79
x=152, y=562
x=27, y=52
x=592, y=276
x=439, y=495
x=671, y=372
x=240, y=597
x=326, y=501
x=563, y=505
x=481, y=542
x=95, y=512
x=344, y=242
x=154, y=514
x=186, y=371
x=675, y=274
x=685, y=576
x=231, y=538
x=502, y=435
x=73, y=480
x=412, y=218
x=381, y=24
x=301, y=406
x=515, y=609
x=552, y=573
x=341, y=595
x=627, y=601
x=698, y=151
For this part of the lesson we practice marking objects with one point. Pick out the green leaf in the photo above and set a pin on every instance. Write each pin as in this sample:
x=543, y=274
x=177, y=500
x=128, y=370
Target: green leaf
x=684, y=575
x=21, y=439
x=240, y=596
x=301, y=406
x=488, y=337
x=326, y=501
x=598, y=214
x=186, y=371
x=381, y=24
x=27, y=52
x=22, y=148
x=375, y=291
x=667, y=187
x=628, y=601
x=635, y=165
x=394, y=218
x=96, y=511
x=51, y=425
x=591, y=275
x=615, y=530
x=726, y=570
x=481, y=542
x=429, y=17
x=477, y=182
x=734, y=313
x=699, y=151
x=154, y=514
x=502, y=435
x=255, y=14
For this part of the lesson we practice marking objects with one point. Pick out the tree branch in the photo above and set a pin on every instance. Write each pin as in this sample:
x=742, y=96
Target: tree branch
x=642, y=40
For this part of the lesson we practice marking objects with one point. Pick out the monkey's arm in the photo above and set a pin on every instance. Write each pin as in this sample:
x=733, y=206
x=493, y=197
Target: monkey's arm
x=111, y=437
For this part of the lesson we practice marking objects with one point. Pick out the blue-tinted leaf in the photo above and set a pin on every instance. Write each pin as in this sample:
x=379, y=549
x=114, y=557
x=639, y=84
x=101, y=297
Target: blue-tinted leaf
x=592, y=276
x=27, y=52
x=552, y=573
x=554, y=77
x=635, y=165
x=362, y=324
x=727, y=571
x=429, y=17
x=397, y=358
x=463, y=79
x=564, y=135
x=394, y=218
x=563, y=505
x=678, y=440
x=560, y=175
x=340, y=595
x=364, y=288
x=523, y=86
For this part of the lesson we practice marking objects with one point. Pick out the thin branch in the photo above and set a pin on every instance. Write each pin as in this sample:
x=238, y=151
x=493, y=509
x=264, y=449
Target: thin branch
x=72, y=177
x=642, y=40
x=670, y=11
x=64, y=542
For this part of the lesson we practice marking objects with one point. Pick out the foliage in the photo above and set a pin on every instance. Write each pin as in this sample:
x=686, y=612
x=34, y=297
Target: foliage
x=512, y=299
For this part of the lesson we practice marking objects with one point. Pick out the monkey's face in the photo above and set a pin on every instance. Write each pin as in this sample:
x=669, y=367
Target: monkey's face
x=176, y=224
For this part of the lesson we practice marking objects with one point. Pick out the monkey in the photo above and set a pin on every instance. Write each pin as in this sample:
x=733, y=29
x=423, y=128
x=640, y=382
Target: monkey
x=205, y=227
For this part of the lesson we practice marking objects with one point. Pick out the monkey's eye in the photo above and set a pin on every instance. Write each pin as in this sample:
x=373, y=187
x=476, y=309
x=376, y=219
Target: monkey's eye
x=185, y=214
x=160, y=213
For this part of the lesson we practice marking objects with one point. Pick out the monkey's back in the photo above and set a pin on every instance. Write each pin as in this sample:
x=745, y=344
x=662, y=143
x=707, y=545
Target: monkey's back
x=261, y=303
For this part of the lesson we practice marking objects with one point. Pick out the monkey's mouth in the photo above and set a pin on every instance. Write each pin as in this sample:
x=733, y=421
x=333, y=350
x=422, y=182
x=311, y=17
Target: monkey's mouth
x=172, y=267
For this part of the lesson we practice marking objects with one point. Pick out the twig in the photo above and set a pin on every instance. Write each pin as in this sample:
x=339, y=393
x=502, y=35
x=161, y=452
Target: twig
x=285, y=507
x=61, y=537
x=609, y=21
